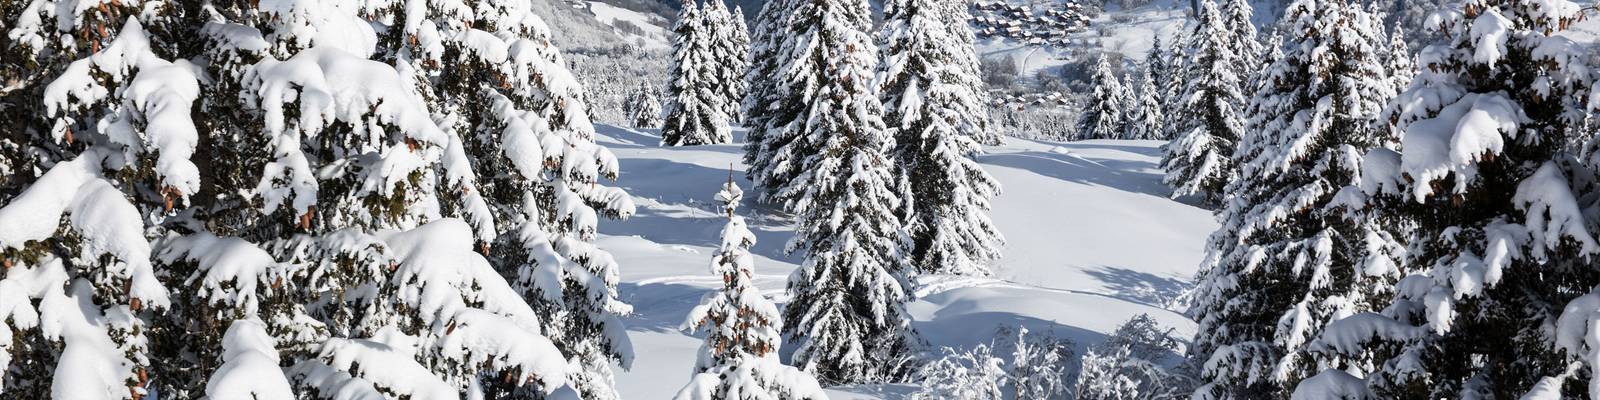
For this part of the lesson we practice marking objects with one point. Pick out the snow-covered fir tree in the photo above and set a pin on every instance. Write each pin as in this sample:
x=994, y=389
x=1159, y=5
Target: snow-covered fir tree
x=1243, y=36
x=696, y=114
x=846, y=314
x=1176, y=75
x=643, y=107
x=729, y=42
x=1207, y=121
x=935, y=110
x=767, y=108
x=152, y=261
x=739, y=359
x=1501, y=300
x=1105, y=117
x=1148, y=120
x=1150, y=117
x=1290, y=255
x=1398, y=61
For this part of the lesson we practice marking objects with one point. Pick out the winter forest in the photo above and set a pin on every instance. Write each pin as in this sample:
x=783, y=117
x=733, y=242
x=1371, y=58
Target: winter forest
x=799, y=199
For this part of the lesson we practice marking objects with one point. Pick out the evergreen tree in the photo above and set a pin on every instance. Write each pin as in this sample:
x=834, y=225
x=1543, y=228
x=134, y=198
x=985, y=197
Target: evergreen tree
x=1104, y=117
x=695, y=110
x=1501, y=303
x=1289, y=257
x=767, y=108
x=1206, y=121
x=730, y=53
x=739, y=359
x=934, y=109
x=331, y=220
x=1398, y=61
x=846, y=312
x=1149, y=121
x=1240, y=15
x=1176, y=72
x=1157, y=62
x=643, y=108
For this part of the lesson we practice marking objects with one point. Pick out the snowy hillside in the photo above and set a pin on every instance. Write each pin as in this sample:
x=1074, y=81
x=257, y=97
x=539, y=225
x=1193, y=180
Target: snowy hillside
x=1092, y=241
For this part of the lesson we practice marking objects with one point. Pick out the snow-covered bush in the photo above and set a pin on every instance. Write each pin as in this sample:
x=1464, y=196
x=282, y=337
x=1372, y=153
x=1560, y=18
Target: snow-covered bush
x=1037, y=368
x=975, y=374
x=1134, y=363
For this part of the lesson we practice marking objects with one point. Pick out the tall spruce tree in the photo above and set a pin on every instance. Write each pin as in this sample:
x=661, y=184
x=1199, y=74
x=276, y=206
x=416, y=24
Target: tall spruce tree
x=739, y=359
x=1240, y=18
x=1502, y=301
x=696, y=114
x=730, y=53
x=331, y=219
x=1176, y=72
x=1290, y=256
x=935, y=112
x=1149, y=119
x=1106, y=115
x=846, y=313
x=1207, y=121
x=767, y=107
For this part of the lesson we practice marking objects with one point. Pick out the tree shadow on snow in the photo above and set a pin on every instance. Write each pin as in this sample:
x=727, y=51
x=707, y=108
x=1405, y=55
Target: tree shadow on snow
x=1139, y=287
x=650, y=139
x=660, y=307
x=1116, y=174
x=681, y=208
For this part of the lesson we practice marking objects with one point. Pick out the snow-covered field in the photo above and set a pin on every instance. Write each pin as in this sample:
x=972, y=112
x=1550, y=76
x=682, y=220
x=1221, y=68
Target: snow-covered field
x=1092, y=241
x=655, y=37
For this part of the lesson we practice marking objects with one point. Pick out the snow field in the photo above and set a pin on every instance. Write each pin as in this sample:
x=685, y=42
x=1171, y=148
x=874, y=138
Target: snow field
x=1092, y=241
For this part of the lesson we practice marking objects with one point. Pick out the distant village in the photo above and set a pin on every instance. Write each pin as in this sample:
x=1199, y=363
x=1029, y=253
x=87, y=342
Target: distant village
x=1050, y=24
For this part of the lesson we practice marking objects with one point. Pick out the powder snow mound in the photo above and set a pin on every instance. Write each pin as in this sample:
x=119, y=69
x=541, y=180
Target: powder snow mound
x=1092, y=240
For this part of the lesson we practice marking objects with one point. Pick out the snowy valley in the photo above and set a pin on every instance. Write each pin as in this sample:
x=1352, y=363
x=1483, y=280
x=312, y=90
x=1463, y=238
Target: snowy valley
x=799, y=199
x=1115, y=248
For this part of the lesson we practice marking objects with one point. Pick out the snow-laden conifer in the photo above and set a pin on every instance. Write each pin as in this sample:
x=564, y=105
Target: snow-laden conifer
x=643, y=107
x=767, y=108
x=739, y=359
x=846, y=314
x=1105, y=117
x=332, y=220
x=1239, y=16
x=1292, y=255
x=1207, y=121
x=934, y=107
x=1498, y=302
x=1149, y=119
x=729, y=45
x=696, y=114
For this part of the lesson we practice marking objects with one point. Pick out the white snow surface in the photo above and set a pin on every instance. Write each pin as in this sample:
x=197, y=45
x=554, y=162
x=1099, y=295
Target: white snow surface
x=655, y=36
x=1092, y=240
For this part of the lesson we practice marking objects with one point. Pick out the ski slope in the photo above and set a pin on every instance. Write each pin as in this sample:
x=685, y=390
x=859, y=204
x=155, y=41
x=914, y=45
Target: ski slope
x=1092, y=241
